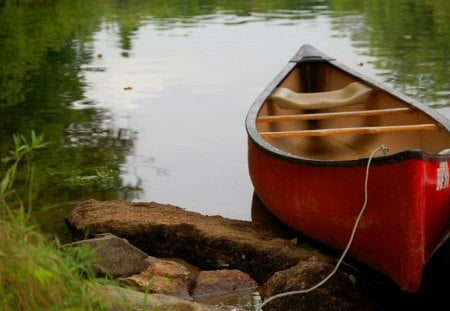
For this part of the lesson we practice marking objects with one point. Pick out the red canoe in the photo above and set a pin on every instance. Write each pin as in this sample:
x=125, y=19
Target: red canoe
x=311, y=133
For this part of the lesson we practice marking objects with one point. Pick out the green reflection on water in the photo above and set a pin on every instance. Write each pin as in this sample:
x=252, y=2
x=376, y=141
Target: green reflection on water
x=44, y=45
x=404, y=36
x=408, y=39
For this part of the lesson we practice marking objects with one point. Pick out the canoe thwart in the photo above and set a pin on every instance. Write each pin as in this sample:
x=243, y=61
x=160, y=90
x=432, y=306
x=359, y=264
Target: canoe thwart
x=353, y=93
x=331, y=115
x=351, y=130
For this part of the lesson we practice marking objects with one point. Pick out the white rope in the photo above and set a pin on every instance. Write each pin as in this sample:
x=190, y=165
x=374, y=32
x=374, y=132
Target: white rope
x=349, y=243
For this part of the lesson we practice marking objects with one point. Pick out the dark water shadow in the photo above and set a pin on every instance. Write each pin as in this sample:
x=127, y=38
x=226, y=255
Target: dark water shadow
x=260, y=214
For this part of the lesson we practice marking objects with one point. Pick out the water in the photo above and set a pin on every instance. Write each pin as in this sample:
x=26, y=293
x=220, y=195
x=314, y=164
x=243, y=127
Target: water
x=146, y=100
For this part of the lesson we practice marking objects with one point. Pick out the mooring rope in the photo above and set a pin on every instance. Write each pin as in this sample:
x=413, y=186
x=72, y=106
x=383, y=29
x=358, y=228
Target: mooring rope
x=349, y=243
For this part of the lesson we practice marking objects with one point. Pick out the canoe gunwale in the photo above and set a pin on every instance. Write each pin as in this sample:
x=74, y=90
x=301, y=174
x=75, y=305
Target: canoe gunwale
x=308, y=54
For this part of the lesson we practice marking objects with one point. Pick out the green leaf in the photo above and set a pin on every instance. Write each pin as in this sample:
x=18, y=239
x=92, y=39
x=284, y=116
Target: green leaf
x=7, y=159
x=352, y=278
x=5, y=182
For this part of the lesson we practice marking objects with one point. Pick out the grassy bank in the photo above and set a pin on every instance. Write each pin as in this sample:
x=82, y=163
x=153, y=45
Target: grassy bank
x=35, y=272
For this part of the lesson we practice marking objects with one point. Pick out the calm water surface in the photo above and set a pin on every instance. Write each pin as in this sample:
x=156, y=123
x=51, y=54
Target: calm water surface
x=146, y=100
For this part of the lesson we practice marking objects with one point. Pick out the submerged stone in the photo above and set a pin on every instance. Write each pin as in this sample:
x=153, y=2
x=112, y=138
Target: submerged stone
x=163, y=277
x=211, y=284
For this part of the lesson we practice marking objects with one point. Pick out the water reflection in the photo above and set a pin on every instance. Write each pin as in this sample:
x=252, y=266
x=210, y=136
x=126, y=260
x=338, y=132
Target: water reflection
x=146, y=99
x=408, y=43
x=42, y=60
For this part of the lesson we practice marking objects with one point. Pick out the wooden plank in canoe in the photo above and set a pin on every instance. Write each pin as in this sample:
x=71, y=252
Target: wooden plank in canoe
x=332, y=115
x=351, y=130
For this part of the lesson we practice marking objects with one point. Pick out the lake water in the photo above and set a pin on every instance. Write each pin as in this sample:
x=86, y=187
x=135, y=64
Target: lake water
x=146, y=100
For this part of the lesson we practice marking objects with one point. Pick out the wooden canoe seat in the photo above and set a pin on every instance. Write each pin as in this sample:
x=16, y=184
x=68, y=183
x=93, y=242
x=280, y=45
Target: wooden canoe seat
x=354, y=93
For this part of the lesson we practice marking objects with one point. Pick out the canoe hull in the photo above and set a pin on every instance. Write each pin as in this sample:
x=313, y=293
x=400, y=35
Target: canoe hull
x=406, y=219
x=308, y=166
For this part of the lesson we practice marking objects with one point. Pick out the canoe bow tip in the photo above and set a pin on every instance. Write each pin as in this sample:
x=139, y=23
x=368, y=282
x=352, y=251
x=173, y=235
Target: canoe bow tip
x=308, y=52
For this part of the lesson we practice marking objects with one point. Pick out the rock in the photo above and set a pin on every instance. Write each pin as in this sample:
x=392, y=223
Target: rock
x=115, y=256
x=338, y=293
x=222, y=282
x=215, y=243
x=163, y=277
x=209, y=242
x=119, y=299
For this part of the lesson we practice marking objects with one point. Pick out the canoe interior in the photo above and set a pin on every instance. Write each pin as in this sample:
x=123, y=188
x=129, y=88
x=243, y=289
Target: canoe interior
x=420, y=131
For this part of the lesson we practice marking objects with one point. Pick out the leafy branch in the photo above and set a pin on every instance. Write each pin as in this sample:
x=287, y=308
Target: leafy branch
x=23, y=150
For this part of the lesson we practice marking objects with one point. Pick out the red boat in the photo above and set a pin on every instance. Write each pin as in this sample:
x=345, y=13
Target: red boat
x=311, y=134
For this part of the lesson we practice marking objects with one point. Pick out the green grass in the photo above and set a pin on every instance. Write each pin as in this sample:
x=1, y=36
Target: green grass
x=36, y=273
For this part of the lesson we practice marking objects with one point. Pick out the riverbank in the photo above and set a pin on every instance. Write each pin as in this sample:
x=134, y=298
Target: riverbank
x=213, y=243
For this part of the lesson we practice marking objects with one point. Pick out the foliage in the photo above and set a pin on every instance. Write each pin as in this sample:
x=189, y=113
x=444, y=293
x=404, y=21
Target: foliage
x=23, y=149
x=36, y=274
x=93, y=178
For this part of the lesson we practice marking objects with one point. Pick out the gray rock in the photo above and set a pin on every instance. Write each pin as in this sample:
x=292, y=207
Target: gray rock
x=115, y=256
